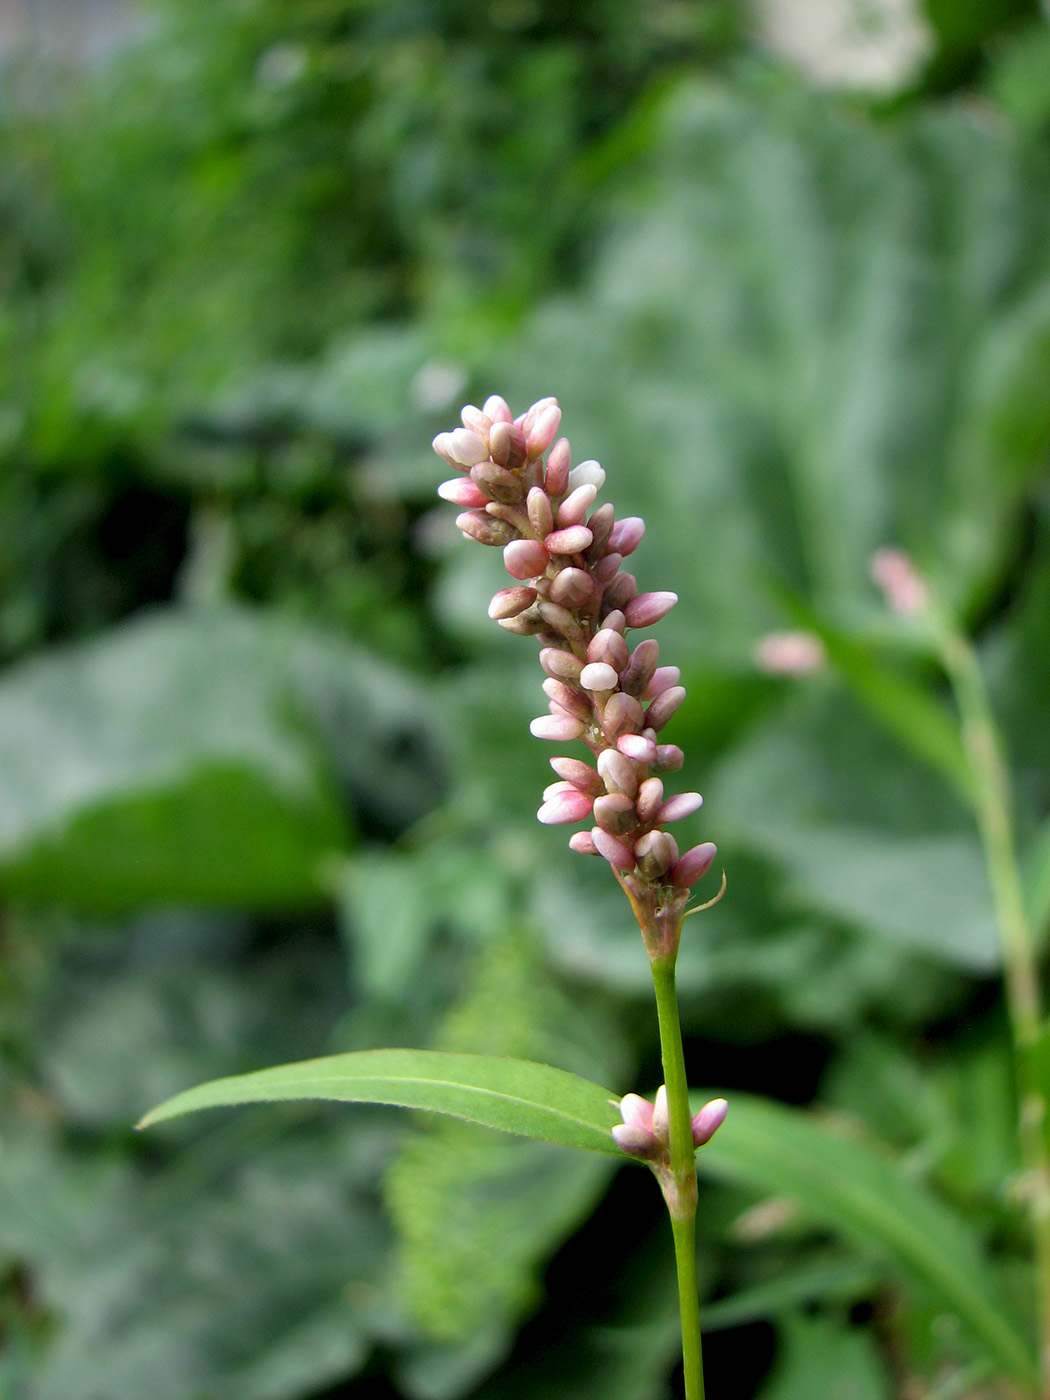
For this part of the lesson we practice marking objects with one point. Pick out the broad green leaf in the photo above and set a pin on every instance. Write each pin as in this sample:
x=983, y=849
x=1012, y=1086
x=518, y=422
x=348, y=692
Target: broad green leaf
x=823, y=1356
x=842, y=1182
x=515, y=1096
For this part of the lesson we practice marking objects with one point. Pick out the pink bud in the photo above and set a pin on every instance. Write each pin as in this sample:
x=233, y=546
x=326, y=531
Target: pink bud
x=616, y=852
x=637, y=1112
x=571, y=806
x=597, y=675
x=600, y=525
x=610, y=647
x=682, y=805
x=525, y=558
x=581, y=843
x=655, y=852
x=622, y=715
x=581, y=775
x=635, y=746
x=664, y=706
x=567, y=699
x=648, y=608
x=477, y=525
x=573, y=510
x=558, y=463
x=541, y=435
x=615, y=621
x=620, y=593
x=708, y=1121
x=903, y=587
x=468, y=447
x=650, y=800
x=556, y=727
x=477, y=421
x=662, y=678
x=618, y=773
x=614, y=813
x=669, y=758
x=627, y=534
x=589, y=473
x=559, y=619
x=541, y=516
x=639, y=673
x=694, y=865
x=507, y=445
x=574, y=540
x=498, y=409
x=442, y=445
x=606, y=569
x=562, y=665
x=572, y=588
x=461, y=491
x=636, y=1142
x=528, y=419
x=508, y=602
x=661, y=1124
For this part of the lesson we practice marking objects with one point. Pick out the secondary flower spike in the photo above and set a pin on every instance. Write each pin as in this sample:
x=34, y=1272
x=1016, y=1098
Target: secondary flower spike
x=569, y=590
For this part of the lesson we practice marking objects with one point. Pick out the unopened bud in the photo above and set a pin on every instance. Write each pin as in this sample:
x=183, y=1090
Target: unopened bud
x=614, y=813
x=573, y=510
x=562, y=665
x=638, y=747
x=556, y=727
x=663, y=707
x=636, y=1142
x=559, y=461
x=574, y=540
x=509, y=602
x=559, y=619
x=540, y=436
x=589, y=473
x=566, y=698
x=582, y=843
x=498, y=409
x=600, y=525
x=572, y=588
x=467, y=447
x=622, y=715
x=477, y=525
x=571, y=806
x=627, y=534
x=525, y=559
x=660, y=1126
x=620, y=593
x=648, y=608
x=541, y=516
x=606, y=569
x=610, y=647
x=597, y=675
x=650, y=800
x=477, y=421
x=461, y=491
x=656, y=852
x=641, y=668
x=507, y=445
x=499, y=483
x=683, y=804
x=615, y=851
x=618, y=773
x=662, y=678
x=708, y=1121
x=694, y=865
x=669, y=759
x=581, y=775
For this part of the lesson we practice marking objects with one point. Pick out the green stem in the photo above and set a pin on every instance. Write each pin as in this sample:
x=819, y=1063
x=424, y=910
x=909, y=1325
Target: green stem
x=994, y=805
x=680, y=1189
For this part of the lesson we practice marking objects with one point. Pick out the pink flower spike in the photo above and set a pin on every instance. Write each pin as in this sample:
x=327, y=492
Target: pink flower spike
x=663, y=678
x=556, y=727
x=635, y=746
x=708, y=1121
x=498, y=409
x=571, y=806
x=684, y=804
x=627, y=534
x=637, y=1112
x=648, y=608
x=543, y=431
x=461, y=491
x=615, y=851
x=581, y=843
x=525, y=558
x=694, y=865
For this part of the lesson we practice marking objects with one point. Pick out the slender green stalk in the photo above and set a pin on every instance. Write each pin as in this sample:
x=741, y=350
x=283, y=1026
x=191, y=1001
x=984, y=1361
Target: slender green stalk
x=680, y=1190
x=994, y=805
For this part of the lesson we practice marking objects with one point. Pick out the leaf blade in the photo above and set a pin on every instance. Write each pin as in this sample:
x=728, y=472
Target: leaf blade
x=516, y=1096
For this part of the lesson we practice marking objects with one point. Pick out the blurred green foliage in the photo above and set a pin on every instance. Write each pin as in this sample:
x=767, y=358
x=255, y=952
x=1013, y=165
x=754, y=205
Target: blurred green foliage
x=266, y=783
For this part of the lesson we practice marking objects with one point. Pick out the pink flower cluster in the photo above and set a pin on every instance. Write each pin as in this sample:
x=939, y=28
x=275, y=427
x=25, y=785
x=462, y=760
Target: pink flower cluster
x=572, y=593
x=645, y=1130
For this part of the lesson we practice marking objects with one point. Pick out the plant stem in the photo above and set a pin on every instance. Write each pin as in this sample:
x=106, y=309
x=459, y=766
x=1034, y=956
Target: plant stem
x=680, y=1190
x=993, y=801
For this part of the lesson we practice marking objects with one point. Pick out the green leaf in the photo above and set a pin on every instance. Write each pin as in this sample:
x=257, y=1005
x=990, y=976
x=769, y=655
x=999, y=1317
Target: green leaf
x=515, y=1096
x=818, y=1356
x=849, y=1185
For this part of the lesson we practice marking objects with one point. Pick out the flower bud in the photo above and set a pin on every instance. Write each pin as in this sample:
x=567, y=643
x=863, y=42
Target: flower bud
x=467, y=447
x=620, y=593
x=559, y=619
x=902, y=586
x=525, y=559
x=562, y=665
x=574, y=540
x=617, y=772
x=622, y=714
x=639, y=672
x=662, y=678
x=610, y=647
x=571, y=806
x=627, y=534
x=497, y=482
x=477, y=421
x=663, y=707
x=708, y=1121
x=572, y=588
x=656, y=852
x=589, y=473
x=476, y=525
x=498, y=409
x=669, y=759
x=694, y=865
x=507, y=446
x=596, y=675
x=660, y=1127
x=557, y=727
x=541, y=516
x=606, y=569
x=573, y=510
x=580, y=774
x=614, y=622
x=614, y=813
x=636, y=1142
x=461, y=491
x=582, y=843
x=650, y=800
x=600, y=525
x=648, y=608
x=540, y=436
x=637, y=1112
x=558, y=463
x=526, y=624
x=568, y=699
x=683, y=804
x=638, y=747
x=615, y=851
x=509, y=602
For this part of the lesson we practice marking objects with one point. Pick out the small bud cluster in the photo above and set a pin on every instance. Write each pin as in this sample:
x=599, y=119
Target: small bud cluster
x=645, y=1130
x=571, y=592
